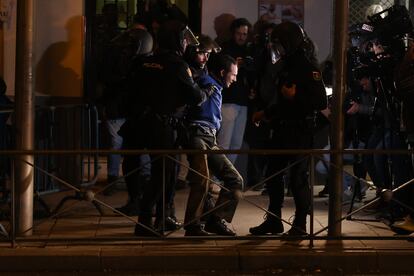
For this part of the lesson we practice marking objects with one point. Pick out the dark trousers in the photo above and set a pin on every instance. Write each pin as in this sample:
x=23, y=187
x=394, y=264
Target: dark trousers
x=390, y=171
x=160, y=136
x=150, y=132
x=290, y=136
x=383, y=175
x=221, y=167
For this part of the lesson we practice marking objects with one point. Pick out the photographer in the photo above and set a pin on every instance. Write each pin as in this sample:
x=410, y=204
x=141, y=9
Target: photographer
x=386, y=171
x=379, y=47
x=359, y=125
x=404, y=78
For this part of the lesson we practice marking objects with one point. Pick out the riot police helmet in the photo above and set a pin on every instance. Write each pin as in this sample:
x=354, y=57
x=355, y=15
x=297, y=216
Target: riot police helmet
x=175, y=36
x=286, y=39
x=206, y=45
x=144, y=42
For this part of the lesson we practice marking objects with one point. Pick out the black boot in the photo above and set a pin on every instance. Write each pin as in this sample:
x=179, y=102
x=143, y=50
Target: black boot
x=196, y=230
x=298, y=227
x=170, y=224
x=270, y=225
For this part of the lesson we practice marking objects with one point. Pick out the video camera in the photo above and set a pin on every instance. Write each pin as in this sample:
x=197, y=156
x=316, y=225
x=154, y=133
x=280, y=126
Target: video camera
x=385, y=31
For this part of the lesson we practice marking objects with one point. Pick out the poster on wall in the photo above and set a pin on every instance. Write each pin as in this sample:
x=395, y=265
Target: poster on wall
x=277, y=11
x=6, y=11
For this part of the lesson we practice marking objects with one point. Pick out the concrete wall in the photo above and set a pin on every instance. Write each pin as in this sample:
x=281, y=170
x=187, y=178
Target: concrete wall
x=318, y=19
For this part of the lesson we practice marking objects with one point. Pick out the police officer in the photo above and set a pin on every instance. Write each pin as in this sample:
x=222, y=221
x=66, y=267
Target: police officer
x=300, y=92
x=136, y=44
x=164, y=85
x=118, y=60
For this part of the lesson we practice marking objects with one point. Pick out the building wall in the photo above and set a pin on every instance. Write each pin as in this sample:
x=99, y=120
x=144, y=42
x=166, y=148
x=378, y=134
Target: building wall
x=58, y=47
x=9, y=47
x=318, y=19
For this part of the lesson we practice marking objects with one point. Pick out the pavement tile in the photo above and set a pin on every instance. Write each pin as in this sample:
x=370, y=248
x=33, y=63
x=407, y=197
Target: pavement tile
x=81, y=240
x=49, y=260
x=391, y=261
x=158, y=260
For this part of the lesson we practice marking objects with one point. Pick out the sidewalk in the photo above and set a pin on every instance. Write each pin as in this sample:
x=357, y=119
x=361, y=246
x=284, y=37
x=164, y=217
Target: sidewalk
x=82, y=240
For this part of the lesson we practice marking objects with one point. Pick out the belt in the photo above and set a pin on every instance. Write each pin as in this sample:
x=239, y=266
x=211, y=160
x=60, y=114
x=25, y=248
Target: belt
x=205, y=129
x=168, y=119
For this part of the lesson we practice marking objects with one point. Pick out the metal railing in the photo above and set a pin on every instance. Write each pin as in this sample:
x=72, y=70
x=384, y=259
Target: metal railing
x=71, y=126
x=312, y=155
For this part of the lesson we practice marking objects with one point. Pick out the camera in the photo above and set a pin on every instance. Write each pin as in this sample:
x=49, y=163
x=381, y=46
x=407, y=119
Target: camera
x=377, y=45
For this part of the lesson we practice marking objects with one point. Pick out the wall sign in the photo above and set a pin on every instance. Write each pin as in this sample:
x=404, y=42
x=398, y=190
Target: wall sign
x=277, y=11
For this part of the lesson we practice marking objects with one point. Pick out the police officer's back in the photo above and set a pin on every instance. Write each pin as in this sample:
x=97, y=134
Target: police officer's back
x=164, y=80
x=164, y=86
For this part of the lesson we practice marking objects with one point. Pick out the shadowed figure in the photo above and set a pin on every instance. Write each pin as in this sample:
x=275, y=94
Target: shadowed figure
x=52, y=78
x=58, y=72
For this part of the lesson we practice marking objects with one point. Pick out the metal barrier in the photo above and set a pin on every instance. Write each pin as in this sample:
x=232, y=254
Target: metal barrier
x=66, y=127
x=91, y=195
x=5, y=142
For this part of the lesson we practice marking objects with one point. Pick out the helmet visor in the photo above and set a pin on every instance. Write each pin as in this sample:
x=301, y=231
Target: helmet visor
x=276, y=51
x=189, y=37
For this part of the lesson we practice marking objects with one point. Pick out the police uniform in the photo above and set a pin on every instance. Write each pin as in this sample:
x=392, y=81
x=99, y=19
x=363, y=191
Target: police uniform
x=162, y=84
x=292, y=122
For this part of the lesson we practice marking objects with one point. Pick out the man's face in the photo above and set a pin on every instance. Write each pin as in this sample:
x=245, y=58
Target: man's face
x=240, y=35
x=202, y=57
x=230, y=76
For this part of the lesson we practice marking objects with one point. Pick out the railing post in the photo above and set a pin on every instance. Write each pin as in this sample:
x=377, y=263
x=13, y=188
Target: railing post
x=163, y=193
x=337, y=126
x=312, y=185
x=13, y=205
x=24, y=124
